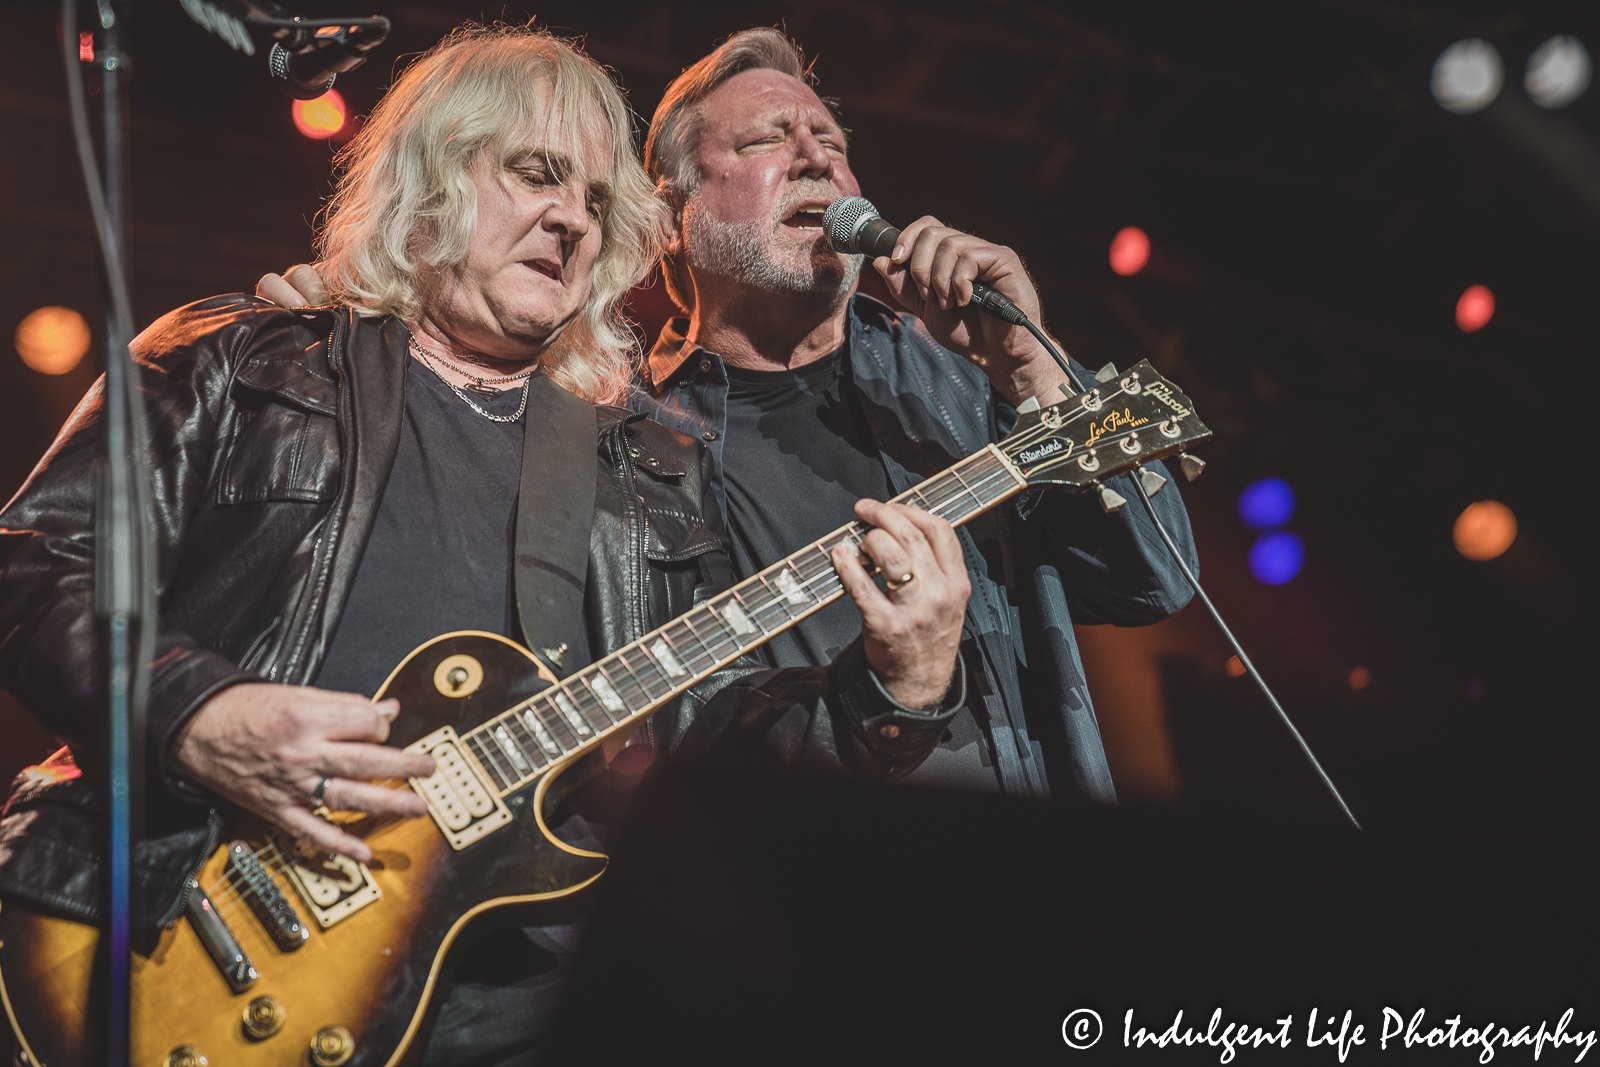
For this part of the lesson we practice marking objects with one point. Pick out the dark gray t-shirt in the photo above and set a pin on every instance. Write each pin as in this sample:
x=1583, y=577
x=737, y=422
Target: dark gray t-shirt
x=796, y=457
x=439, y=558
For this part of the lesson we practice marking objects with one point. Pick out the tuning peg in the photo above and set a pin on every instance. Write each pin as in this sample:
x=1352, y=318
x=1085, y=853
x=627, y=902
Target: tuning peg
x=1153, y=483
x=1030, y=404
x=1192, y=466
x=1110, y=499
x=1106, y=373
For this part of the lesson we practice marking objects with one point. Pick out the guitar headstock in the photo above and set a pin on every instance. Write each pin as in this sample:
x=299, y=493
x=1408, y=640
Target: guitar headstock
x=1128, y=419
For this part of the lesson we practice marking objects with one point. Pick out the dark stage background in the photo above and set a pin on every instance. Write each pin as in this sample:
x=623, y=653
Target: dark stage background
x=1314, y=216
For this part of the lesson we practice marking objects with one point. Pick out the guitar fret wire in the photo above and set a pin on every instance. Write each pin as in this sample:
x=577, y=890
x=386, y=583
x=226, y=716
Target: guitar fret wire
x=687, y=626
x=668, y=662
x=560, y=730
x=531, y=751
x=584, y=699
x=555, y=711
x=654, y=668
x=621, y=656
x=712, y=658
x=490, y=751
x=560, y=706
x=543, y=739
x=599, y=677
x=486, y=757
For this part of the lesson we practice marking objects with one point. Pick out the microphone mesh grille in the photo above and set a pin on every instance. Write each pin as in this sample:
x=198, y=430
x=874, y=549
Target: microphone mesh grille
x=843, y=221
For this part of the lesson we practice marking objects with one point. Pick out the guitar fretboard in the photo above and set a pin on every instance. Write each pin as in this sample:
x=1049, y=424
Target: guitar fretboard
x=518, y=745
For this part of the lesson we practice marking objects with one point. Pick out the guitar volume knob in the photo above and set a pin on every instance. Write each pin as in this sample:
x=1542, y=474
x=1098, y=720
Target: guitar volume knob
x=185, y=1056
x=264, y=1017
x=332, y=1046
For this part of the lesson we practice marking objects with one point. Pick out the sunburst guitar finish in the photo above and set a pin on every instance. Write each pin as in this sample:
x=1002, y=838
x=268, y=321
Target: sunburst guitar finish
x=371, y=971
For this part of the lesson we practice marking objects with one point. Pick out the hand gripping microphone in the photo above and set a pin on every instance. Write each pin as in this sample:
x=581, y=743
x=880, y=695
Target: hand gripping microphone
x=854, y=227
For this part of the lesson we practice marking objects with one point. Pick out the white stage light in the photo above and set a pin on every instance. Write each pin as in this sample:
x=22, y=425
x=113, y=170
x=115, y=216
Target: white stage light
x=1558, y=72
x=1467, y=76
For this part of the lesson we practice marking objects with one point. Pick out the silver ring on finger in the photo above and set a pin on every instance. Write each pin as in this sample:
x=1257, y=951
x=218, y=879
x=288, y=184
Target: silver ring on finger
x=901, y=582
x=317, y=793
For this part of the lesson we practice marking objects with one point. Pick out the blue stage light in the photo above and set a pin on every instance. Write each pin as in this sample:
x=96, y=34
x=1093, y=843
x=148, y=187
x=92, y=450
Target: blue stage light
x=1266, y=504
x=1276, y=557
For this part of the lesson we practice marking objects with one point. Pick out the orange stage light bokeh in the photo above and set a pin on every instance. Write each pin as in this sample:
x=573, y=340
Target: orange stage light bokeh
x=1485, y=530
x=320, y=118
x=52, y=340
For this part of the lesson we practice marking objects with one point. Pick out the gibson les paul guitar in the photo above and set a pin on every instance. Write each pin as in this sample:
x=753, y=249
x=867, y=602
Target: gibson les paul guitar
x=289, y=958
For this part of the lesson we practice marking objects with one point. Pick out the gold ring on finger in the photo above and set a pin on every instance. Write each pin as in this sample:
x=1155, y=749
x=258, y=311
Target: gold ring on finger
x=898, y=583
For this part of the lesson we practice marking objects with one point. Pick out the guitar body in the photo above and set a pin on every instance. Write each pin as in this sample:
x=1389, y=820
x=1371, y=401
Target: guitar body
x=372, y=972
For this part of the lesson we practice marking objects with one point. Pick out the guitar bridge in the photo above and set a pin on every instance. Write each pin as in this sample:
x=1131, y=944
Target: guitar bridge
x=461, y=802
x=256, y=885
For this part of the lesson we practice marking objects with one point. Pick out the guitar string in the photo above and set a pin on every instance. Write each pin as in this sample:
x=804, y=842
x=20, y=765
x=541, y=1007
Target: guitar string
x=276, y=863
x=271, y=859
x=281, y=863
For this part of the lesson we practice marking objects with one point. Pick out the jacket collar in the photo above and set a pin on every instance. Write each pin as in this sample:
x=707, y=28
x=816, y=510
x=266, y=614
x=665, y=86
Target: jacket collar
x=671, y=349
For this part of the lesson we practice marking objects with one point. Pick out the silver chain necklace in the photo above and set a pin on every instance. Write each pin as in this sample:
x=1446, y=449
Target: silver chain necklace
x=526, y=377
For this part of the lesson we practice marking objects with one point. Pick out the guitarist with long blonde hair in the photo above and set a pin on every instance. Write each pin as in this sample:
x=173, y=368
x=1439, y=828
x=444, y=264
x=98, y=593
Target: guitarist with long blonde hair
x=435, y=450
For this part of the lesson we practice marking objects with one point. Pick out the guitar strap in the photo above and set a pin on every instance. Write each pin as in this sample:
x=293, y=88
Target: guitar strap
x=555, y=513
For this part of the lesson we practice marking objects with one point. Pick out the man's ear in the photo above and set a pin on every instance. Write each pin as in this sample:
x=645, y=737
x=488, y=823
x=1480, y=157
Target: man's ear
x=672, y=239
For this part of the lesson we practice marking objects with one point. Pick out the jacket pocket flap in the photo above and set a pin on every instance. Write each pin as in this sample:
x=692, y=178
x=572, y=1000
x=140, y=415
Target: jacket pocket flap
x=674, y=537
x=292, y=380
x=281, y=453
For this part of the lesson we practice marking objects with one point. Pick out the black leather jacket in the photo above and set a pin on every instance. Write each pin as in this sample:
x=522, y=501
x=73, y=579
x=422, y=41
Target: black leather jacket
x=273, y=432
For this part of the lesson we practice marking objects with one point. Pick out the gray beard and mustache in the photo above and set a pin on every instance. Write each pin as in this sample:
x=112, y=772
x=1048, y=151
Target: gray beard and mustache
x=743, y=251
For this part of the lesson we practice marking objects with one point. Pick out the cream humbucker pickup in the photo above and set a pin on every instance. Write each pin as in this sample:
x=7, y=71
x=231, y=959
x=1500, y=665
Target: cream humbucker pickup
x=464, y=808
x=334, y=887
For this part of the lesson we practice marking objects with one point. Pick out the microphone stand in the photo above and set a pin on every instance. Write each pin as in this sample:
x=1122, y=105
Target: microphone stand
x=986, y=299
x=124, y=535
x=124, y=573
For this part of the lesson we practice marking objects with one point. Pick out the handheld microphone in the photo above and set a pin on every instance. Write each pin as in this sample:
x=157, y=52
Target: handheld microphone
x=854, y=227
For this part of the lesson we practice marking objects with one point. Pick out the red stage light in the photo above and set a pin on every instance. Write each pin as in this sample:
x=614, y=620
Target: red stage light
x=1359, y=678
x=1234, y=668
x=1475, y=308
x=1130, y=251
x=322, y=117
x=86, y=47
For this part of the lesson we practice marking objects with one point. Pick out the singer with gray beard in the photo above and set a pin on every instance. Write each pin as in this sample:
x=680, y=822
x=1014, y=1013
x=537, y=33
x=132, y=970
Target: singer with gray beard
x=811, y=396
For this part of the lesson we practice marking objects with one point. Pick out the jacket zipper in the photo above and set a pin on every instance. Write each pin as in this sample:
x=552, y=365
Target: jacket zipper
x=619, y=452
x=314, y=593
x=213, y=831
